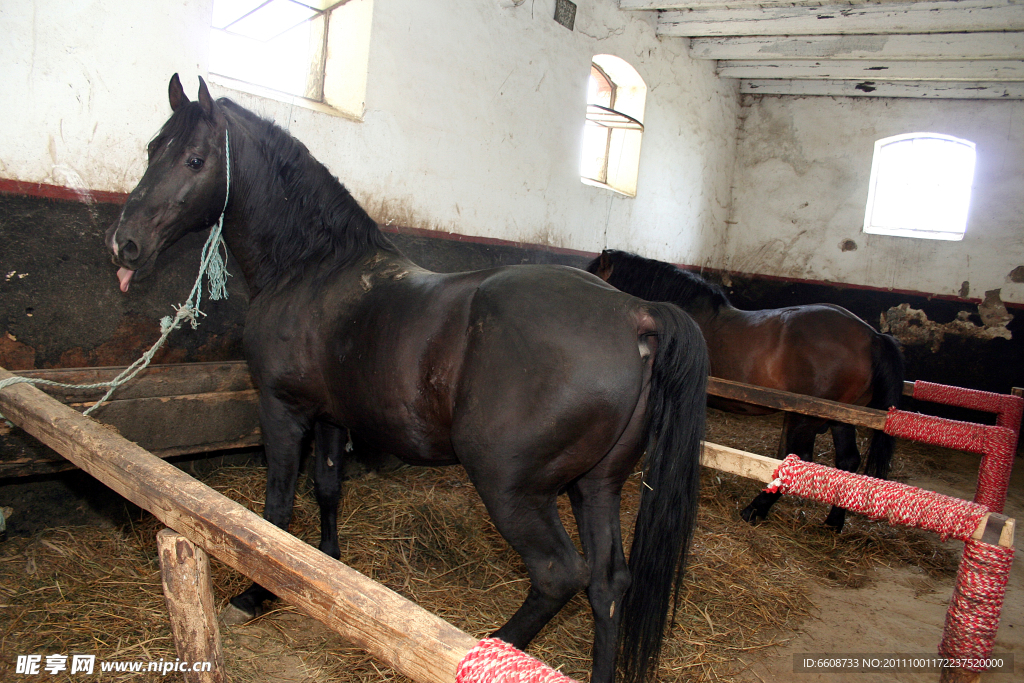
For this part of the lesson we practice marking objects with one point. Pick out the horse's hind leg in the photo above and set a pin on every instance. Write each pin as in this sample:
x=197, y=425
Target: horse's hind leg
x=798, y=434
x=530, y=523
x=283, y=436
x=327, y=467
x=844, y=437
x=596, y=506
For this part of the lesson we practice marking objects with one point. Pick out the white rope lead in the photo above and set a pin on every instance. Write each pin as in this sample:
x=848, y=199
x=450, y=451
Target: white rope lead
x=212, y=263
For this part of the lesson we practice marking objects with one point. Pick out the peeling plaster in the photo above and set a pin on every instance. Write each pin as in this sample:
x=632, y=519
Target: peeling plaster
x=912, y=326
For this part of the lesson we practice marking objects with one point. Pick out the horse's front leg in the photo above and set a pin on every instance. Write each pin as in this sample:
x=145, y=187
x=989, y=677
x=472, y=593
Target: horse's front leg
x=327, y=468
x=798, y=434
x=844, y=437
x=283, y=434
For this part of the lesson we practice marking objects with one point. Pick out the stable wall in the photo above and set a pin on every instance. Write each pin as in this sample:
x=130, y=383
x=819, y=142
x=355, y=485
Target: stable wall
x=473, y=116
x=473, y=119
x=802, y=172
x=467, y=149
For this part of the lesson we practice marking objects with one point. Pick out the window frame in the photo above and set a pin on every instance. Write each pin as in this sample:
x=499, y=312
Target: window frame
x=623, y=130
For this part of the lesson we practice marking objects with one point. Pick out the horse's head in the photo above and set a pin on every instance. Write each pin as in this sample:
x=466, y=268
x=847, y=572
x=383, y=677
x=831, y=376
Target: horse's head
x=183, y=189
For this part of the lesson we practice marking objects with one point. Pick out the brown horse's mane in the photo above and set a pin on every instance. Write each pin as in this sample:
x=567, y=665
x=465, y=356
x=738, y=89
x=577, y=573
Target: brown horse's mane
x=297, y=214
x=659, y=281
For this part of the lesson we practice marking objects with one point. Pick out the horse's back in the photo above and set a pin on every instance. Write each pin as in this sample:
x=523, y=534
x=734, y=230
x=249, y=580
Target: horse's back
x=819, y=350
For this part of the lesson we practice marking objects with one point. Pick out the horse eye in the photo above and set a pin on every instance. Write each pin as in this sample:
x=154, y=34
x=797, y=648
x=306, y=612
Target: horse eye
x=195, y=163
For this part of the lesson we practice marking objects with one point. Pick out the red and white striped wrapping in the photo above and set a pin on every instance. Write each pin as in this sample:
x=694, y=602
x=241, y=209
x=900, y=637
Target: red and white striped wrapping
x=1007, y=407
x=996, y=444
x=973, y=615
x=879, y=499
x=495, y=661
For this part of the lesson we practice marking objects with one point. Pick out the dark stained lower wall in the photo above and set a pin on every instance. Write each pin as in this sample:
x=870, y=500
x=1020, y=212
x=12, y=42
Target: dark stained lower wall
x=60, y=305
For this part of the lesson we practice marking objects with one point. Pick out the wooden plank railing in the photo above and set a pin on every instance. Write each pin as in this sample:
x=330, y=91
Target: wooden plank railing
x=218, y=403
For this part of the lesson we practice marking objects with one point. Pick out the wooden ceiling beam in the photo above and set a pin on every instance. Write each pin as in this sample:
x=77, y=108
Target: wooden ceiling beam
x=854, y=69
x=659, y=5
x=886, y=18
x=913, y=89
x=896, y=47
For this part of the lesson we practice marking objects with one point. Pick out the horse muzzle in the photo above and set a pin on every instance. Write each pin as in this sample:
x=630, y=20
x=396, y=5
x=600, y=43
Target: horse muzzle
x=126, y=253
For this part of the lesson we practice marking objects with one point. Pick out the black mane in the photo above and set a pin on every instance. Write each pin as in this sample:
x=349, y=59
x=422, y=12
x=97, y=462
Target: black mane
x=299, y=215
x=178, y=129
x=659, y=281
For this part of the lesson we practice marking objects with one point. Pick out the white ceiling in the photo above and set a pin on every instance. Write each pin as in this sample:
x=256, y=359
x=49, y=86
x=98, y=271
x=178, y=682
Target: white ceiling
x=965, y=49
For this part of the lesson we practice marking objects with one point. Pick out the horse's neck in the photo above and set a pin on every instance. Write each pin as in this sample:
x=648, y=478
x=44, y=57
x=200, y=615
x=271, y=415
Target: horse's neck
x=242, y=248
x=250, y=229
x=704, y=312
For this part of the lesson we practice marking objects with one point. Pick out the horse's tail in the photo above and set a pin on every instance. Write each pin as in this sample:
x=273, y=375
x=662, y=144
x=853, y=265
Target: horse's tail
x=886, y=389
x=669, y=494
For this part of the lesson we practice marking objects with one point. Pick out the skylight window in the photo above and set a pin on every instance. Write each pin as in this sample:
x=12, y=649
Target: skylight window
x=920, y=186
x=270, y=20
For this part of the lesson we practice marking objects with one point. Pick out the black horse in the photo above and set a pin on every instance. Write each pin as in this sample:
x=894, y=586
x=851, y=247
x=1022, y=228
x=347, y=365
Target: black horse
x=818, y=350
x=537, y=379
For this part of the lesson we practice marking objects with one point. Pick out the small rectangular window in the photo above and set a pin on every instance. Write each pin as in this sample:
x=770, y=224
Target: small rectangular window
x=920, y=186
x=316, y=50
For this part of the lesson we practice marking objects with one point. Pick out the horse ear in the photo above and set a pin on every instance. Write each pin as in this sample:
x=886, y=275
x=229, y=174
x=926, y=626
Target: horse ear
x=176, y=94
x=604, y=265
x=205, y=99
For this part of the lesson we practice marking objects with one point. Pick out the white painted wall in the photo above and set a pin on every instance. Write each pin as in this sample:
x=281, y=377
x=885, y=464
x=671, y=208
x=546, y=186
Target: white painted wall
x=84, y=85
x=801, y=185
x=474, y=114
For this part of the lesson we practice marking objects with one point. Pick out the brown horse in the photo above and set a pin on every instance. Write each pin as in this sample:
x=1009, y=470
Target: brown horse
x=539, y=380
x=818, y=350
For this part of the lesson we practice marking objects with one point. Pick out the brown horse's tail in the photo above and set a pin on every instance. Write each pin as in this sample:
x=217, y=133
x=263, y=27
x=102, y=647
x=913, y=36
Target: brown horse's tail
x=669, y=494
x=886, y=390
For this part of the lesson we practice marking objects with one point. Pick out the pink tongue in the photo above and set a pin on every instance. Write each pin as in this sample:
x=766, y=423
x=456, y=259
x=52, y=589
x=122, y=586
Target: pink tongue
x=125, y=276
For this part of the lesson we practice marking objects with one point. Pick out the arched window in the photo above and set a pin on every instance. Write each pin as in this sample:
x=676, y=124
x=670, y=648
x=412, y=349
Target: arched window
x=614, y=127
x=920, y=186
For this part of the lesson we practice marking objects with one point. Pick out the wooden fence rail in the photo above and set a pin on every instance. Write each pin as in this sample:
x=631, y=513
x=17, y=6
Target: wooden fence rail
x=218, y=402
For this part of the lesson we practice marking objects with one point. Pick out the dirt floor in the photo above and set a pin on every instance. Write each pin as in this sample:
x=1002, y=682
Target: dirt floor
x=900, y=608
x=87, y=581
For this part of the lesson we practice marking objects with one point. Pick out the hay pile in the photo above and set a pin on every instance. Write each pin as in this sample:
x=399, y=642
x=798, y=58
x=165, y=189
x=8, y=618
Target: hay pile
x=424, y=533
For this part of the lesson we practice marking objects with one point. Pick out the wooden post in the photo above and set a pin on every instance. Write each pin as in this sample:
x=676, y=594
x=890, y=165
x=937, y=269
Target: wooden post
x=997, y=530
x=185, y=571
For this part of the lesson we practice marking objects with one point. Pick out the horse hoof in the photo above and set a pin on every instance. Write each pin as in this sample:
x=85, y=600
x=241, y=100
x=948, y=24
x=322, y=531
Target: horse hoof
x=750, y=514
x=331, y=550
x=836, y=521
x=233, y=616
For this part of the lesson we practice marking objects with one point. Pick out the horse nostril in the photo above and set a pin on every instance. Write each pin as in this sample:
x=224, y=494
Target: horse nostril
x=130, y=250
